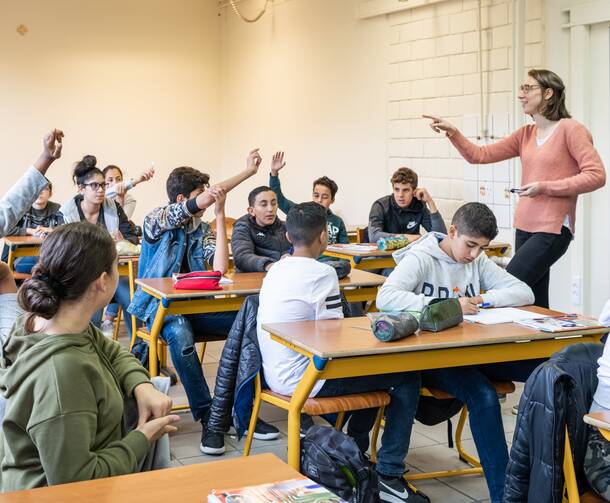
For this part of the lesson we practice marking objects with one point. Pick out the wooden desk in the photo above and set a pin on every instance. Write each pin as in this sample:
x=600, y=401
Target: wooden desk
x=359, y=286
x=347, y=348
x=186, y=484
x=22, y=246
x=363, y=260
x=601, y=420
x=378, y=259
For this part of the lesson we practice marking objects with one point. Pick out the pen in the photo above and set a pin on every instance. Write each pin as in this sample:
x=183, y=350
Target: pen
x=484, y=305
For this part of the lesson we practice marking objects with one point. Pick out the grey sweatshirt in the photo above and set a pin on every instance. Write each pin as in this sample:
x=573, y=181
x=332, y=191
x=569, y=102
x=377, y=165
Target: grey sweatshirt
x=426, y=272
x=18, y=200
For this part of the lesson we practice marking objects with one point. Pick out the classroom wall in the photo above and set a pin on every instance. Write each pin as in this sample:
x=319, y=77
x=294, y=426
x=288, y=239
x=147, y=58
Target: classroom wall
x=309, y=78
x=131, y=82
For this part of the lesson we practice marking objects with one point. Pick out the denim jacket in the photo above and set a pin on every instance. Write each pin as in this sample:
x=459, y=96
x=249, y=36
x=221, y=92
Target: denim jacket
x=169, y=233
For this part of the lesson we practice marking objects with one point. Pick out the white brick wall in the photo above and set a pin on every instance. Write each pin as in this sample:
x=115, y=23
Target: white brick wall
x=434, y=65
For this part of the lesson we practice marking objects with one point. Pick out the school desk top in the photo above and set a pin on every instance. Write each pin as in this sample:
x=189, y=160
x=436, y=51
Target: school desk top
x=245, y=283
x=186, y=484
x=353, y=337
x=23, y=240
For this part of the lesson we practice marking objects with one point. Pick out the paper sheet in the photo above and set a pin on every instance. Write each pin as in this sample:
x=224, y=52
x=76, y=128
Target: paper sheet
x=499, y=315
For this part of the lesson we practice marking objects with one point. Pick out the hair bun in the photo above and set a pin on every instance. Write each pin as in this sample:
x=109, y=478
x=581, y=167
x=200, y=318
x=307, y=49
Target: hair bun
x=38, y=297
x=83, y=167
x=89, y=161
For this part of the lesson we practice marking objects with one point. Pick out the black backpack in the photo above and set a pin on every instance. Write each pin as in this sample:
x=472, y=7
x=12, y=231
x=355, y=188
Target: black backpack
x=332, y=459
x=432, y=411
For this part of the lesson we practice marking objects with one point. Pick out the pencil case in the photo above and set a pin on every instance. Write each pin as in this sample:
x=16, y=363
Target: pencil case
x=441, y=314
x=198, y=280
x=393, y=326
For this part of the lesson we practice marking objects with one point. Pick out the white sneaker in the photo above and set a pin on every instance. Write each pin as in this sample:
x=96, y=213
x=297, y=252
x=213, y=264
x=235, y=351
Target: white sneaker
x=107, y=328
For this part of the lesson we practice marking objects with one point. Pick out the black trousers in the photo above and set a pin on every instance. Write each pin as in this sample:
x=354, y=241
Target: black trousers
x=535, y=253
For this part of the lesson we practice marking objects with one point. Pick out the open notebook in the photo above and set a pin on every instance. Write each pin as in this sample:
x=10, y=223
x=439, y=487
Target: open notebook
x=499, y=315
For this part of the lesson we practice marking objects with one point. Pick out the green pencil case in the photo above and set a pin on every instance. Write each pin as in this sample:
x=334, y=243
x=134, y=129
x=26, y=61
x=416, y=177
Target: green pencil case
x=441, y=314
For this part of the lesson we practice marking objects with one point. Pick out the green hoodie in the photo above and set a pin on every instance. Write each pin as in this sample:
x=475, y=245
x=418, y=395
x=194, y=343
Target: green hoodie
x=64, y=411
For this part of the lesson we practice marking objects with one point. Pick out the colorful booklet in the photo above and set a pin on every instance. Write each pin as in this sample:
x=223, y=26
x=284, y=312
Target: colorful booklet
x=287, y=491
x=559, y=323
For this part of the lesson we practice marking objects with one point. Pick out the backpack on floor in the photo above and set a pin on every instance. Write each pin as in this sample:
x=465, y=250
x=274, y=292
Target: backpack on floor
x=332, y=459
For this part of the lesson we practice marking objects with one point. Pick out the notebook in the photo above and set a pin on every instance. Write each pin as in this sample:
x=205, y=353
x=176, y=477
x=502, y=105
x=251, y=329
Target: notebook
x=287, y=491
x=361, y=248
x=495, y=316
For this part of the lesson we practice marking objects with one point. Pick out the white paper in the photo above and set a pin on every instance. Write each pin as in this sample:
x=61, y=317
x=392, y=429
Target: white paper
x=225, y=281
x=499, y=315
x=352, y=247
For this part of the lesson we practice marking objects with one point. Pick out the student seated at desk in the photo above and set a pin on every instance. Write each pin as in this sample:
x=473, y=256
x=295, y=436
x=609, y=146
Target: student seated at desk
x=597, y=459
x=300, y=288
x=120, y=190
x=259, y=237
x=177, y=240
x=324, y=191
x=69, y=390
x=454, y=265
x=91, y=205
x=13, y=206
x=39, y=221
x=405, y=211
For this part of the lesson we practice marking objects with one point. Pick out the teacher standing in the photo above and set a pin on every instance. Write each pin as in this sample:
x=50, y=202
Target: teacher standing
x=558, y=162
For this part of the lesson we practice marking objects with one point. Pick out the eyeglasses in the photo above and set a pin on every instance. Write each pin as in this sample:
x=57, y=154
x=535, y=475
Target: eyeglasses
x=95, y=186
x=526, y=88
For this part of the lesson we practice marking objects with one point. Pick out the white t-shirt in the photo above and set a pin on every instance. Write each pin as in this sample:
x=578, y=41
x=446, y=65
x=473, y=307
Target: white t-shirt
x=295, y=289
x=601, y=400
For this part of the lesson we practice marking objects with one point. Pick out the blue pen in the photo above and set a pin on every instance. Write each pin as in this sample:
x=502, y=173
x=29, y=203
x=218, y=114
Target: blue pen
x=485, y=305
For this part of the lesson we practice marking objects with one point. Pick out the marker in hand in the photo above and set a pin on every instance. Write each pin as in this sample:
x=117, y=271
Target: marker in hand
x=516, y=191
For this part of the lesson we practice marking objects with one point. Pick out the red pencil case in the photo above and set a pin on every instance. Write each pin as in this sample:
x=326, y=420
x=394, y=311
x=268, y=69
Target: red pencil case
x=198, y=280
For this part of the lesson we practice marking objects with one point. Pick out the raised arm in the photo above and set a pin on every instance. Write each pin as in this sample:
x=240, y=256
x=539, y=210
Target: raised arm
x=221, y=253
x=277, y=163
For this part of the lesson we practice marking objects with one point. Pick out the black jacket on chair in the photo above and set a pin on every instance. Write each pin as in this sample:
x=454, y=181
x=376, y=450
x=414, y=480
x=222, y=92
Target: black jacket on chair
x=558, y=393
x=240, y=362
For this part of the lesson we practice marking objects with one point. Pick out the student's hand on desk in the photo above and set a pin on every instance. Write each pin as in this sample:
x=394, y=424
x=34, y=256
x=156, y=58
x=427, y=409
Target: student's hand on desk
x=155, y=429
x=254, y=161
x=470, y=305
x=152, y=404
x=530, y=190
x=277, y=163
x=7, y=282
x=439, y=125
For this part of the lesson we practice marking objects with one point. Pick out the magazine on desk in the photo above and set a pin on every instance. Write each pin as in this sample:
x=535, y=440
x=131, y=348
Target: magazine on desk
x=565, y=323
x=287, y=491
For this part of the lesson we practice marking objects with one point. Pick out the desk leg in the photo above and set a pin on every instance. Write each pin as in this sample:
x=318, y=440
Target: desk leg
x=11, y=258
x=155, y=331
x=132, y=289
x=301, y=394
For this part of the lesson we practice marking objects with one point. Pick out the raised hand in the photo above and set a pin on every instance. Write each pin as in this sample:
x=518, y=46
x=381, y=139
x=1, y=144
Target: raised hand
x=220, y=198
x=439, y=125
x=254, y=160
x=146, y=175
x=52, y=143
x=277, y=163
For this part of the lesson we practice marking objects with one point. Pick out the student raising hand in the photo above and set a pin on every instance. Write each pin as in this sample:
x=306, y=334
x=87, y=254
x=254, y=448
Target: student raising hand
x=254, y=161
x=277, y=163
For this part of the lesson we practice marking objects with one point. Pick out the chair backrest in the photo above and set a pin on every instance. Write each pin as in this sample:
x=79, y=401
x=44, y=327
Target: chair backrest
x=229, y=223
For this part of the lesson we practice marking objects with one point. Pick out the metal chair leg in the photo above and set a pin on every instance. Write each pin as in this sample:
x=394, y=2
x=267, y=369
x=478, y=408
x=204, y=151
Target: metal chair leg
x=254, y=417
x=339, y=421
x=375, y=434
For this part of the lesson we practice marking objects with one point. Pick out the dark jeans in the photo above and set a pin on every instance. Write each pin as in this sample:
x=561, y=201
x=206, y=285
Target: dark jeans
x=473, y=386
x=399, y=415
x=122, y=297
x=535, y=253
x=179, y=333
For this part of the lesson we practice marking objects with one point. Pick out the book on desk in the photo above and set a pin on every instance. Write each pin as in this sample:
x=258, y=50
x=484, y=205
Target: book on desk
x=300, y=490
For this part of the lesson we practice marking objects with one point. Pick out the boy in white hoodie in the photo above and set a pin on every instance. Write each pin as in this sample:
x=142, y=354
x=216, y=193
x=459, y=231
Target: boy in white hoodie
x=450, y=266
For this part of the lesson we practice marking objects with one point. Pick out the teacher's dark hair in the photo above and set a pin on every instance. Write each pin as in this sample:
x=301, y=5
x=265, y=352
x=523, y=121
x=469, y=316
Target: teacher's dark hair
x=71, y=258
x=555, y=107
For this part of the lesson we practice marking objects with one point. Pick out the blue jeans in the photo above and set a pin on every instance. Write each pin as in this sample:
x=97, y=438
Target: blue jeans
x=179, y=333
x=473, y=386
x=399, y=415
x=122, y=297
x=25, y=264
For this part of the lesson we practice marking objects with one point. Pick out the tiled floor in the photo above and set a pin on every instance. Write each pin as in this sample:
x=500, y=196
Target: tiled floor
x=428, y=449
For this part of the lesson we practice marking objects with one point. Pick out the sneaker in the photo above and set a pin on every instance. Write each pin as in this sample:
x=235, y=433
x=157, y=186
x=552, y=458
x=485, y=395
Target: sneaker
x=397, y=490
x=265, y=431
x=107, y=328
x=306, y=423
x=212, y=443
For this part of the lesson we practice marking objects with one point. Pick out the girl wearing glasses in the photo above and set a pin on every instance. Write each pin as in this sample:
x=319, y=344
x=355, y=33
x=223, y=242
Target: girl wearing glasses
x=558, y=163
x=92, y=205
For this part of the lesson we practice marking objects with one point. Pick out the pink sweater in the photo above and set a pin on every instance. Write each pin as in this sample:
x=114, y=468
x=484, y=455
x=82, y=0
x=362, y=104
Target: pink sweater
x=566, y=164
